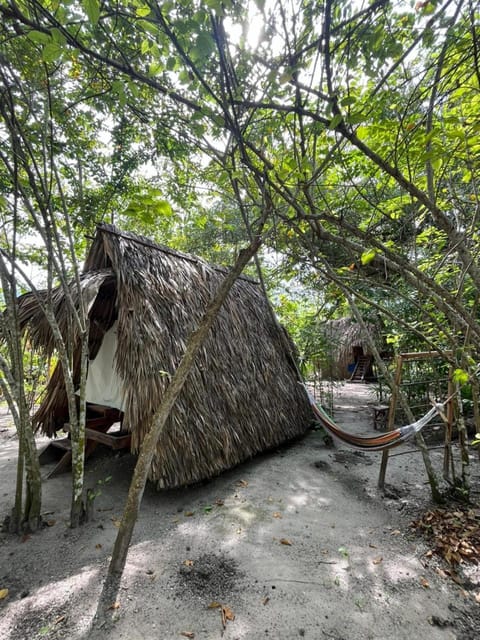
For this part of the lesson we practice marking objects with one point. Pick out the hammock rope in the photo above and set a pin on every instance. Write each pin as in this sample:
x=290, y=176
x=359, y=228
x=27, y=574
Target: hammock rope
x=374, y=443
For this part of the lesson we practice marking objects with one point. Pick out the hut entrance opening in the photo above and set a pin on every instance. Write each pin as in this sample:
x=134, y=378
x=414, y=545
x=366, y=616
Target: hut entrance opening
x=362, y=366
x=105, y=386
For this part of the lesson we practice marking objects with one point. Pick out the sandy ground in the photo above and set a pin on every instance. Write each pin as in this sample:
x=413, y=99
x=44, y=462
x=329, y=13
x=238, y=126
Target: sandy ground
x=295, y=543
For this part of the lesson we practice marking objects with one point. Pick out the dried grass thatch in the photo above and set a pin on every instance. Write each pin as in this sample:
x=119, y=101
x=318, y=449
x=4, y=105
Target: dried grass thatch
x=242, y=396
x=341, y=336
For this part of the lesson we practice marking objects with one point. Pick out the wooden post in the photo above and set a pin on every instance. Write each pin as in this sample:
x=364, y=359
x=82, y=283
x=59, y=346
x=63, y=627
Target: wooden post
x=401, y=358
x=447, y=455
x=391, y=419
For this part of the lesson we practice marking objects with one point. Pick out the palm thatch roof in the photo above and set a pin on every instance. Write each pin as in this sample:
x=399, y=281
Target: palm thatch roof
x=242, y=396
x=341, y=337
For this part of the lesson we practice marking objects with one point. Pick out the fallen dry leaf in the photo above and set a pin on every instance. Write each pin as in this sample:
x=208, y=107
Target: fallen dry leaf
x=188, y=563
x=3, y=593
x=241, y=483
x=454, y=535
x=372, y=546
x=50, y=523
x=189, y=514
x=277, y=514
x=266, y=600
x=116, y=522
x=214, y=605
x=227, y=614
x=424, y=583
x=59, y=620
x=395, y=532
x=285, y=541
x=187, y=634
x=98, y=545
x=377, y=560
x=115, y=605
x=219, y=502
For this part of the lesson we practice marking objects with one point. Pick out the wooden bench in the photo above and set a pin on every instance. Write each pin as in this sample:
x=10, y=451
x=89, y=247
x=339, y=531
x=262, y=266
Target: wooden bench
x=380, y=416
x=96, y=432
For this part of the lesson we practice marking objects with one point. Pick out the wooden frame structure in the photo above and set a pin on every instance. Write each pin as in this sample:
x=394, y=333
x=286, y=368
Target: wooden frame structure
x=448, y=417
x=99, y=421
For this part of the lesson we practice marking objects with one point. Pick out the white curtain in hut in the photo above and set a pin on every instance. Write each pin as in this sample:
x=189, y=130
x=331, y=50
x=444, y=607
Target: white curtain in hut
x=104, y=386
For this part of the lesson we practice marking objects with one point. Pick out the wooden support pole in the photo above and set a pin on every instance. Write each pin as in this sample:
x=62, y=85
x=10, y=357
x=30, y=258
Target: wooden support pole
x=391, y=419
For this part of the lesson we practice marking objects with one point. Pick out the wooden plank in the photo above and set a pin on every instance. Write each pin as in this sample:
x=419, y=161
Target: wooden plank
x=115, y=440
x=425, y=355
x=95, y=434
x=63, y=465
x=54, y=450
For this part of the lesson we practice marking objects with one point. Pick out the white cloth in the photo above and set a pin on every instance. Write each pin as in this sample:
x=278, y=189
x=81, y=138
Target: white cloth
x=104, y=386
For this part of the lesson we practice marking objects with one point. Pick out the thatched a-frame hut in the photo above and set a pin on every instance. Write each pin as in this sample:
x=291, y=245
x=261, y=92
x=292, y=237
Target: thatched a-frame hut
x=347, y=349
x=242, y=397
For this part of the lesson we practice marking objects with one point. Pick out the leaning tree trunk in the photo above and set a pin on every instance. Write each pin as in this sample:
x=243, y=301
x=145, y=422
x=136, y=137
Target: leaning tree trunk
x=148, y=446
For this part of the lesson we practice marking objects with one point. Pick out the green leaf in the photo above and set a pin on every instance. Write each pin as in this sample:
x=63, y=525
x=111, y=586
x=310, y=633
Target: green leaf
x=335, y=121
x=204, y=45
x=51, y=52
x=285, y=77
x=460, y=376
x=141, y=12
x=215, y=5
x=39, y=37
x=348, y=101
x=154, y=68
x=164, y=208
x=355, y=118
x=118, y=86
x=58, y=36
x=148, y=26
x=92, y=9
x=368, y=256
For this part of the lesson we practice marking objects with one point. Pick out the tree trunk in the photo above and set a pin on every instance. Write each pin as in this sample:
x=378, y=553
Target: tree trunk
x=77, y=431
x=33, y=485
x=26, y=517
x=148, y=446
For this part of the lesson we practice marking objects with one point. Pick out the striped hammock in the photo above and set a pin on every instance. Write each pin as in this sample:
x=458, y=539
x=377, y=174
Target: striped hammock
x=374, y=443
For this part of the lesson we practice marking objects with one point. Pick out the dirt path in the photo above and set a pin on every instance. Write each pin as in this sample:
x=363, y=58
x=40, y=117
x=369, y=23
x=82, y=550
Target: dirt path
x=296, y=543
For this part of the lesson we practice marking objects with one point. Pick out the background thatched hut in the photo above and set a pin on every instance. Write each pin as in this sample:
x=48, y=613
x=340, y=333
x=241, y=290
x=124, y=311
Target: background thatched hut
x=347, y=349
x=242, y=396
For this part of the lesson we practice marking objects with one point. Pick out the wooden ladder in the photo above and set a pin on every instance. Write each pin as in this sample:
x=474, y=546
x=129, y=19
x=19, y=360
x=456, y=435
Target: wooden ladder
x=361, y=368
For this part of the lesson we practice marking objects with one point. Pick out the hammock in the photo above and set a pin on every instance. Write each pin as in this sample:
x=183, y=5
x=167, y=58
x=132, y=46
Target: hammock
x=374, y=443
